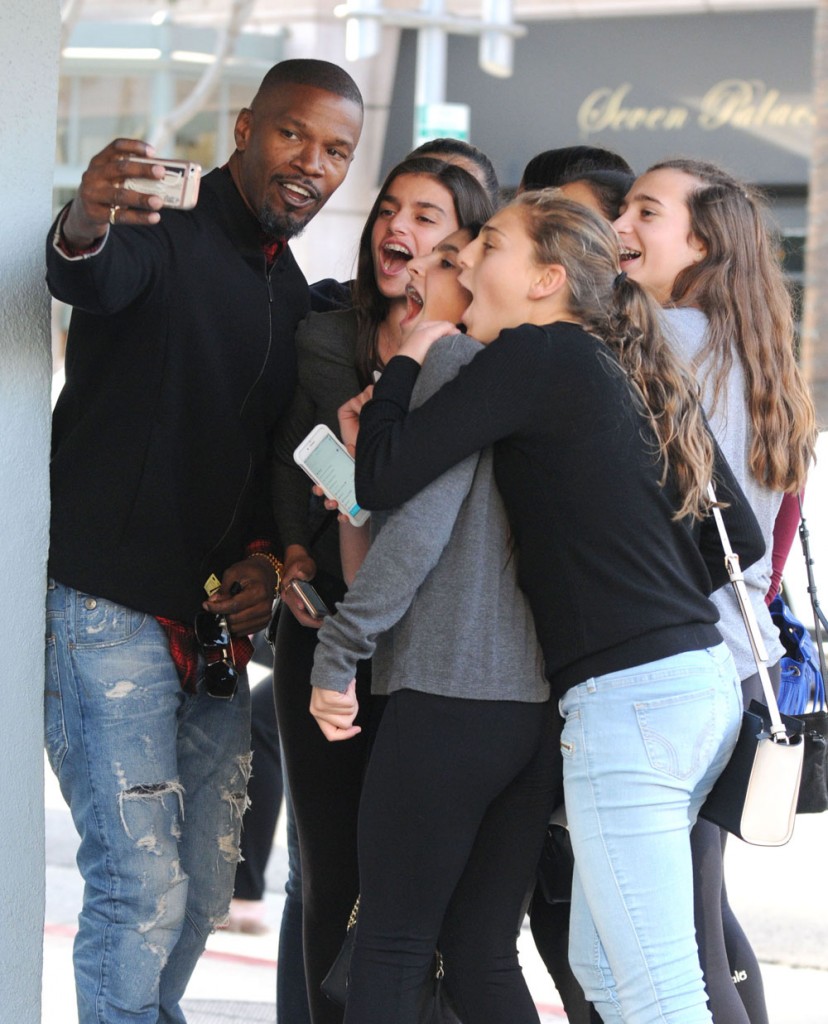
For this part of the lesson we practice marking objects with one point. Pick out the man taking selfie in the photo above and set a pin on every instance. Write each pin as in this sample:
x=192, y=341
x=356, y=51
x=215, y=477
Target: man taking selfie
x=180, y=359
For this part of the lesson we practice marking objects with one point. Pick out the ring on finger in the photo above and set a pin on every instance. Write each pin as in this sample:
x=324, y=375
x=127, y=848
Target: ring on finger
x=112, y=211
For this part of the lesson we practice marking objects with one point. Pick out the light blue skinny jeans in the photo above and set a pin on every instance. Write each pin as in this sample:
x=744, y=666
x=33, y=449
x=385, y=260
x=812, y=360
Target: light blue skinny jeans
x=156, y=782
x=641, y=750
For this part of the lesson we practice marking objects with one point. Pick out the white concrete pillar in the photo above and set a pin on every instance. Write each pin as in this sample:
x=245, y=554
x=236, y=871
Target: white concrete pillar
x=29, y=47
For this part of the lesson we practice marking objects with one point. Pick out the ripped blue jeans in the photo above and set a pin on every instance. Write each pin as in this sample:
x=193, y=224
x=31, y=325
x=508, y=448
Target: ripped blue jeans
x=156, y=780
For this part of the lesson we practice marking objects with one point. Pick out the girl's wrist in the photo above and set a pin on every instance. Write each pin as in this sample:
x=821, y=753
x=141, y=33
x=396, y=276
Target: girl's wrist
x=416, y=349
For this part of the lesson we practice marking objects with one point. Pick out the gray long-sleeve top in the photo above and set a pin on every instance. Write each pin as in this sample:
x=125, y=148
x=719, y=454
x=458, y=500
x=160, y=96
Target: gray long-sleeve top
x=436, y=601
x=731, y=426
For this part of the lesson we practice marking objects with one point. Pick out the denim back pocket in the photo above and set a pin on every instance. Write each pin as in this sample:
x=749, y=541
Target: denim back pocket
x=678, y=732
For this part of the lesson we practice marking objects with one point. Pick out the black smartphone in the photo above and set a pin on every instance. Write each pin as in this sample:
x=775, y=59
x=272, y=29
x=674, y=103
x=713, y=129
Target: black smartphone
x=310, y=598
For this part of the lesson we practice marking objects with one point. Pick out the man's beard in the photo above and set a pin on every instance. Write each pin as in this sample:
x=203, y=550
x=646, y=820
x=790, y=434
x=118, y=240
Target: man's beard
x=277, y=224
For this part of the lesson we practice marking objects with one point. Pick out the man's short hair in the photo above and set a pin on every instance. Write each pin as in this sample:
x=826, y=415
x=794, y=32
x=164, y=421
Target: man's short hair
x=320, y=74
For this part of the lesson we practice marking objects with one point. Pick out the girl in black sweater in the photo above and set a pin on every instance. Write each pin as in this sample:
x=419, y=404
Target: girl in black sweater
x=603, y=459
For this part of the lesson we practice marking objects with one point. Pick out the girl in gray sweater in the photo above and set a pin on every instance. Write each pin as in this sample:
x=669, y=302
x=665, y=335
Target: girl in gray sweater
x=465, y=768
x=420, y=202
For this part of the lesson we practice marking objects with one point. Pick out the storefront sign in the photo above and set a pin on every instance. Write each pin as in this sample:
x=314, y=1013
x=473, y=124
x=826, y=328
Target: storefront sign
x=732, y=103
x=734, y=88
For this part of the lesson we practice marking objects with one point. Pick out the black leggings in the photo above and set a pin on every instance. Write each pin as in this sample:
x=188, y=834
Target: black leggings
x=325, y=780
x=453, y=814
x=550, y=930
x=735, y=991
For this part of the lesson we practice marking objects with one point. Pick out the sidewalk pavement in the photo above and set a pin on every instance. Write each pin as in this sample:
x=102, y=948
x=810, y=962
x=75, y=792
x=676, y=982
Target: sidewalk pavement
x=779, y=895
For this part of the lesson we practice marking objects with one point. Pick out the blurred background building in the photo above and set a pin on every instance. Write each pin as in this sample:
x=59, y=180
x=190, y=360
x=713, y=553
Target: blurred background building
x=727, y=80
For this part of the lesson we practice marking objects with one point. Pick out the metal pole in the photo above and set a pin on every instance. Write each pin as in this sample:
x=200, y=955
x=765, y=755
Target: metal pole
x=432, y=50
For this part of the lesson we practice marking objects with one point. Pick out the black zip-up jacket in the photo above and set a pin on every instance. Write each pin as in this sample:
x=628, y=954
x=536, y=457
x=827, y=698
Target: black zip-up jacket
x=179, y=361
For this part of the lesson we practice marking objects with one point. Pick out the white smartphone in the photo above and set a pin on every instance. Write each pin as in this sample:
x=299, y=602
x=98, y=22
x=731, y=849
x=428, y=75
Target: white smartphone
x=327, y=462
x=179, y=186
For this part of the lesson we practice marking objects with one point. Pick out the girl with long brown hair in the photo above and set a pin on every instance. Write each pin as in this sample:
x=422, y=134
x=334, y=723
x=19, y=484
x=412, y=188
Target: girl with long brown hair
x=603, y=459
x=695, y=237
x=420, y=202
x=465, y=768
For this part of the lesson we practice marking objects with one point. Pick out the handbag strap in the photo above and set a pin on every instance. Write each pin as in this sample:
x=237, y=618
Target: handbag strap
x=760, y=654
x=820, y=621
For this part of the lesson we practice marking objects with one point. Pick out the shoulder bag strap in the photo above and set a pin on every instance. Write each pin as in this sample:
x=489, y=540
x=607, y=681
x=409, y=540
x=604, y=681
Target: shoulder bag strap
x=820, y=621
x=760, y=654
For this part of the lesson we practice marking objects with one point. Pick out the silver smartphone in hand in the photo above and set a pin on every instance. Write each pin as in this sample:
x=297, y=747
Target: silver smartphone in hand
x=179, y=186
x=327, y=462
x=309, y=596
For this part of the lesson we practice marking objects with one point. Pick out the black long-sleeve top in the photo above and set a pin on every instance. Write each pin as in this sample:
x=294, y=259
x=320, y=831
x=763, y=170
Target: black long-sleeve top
x=179, y=362
x=613, y=579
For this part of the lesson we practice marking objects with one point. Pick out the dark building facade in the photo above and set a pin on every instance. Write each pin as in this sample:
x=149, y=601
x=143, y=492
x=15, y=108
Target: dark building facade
x=734, y=88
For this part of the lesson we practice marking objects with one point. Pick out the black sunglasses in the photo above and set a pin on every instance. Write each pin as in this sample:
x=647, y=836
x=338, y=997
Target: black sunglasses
x=213, y=634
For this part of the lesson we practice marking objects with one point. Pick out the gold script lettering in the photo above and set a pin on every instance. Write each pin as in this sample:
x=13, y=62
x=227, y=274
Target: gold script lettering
x=750, y=104
x=733, y=102
x=604, y=109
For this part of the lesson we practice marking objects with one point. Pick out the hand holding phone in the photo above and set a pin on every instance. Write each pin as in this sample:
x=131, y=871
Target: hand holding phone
x=327, y=462
x=309, y=596
x=177, y=189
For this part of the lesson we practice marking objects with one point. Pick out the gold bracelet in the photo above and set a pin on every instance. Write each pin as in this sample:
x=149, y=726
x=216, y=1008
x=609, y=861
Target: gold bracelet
x=278, y=568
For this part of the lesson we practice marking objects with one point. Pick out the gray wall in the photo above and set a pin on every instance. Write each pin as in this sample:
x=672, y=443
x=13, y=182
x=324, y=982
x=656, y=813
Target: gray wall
x=29, y=33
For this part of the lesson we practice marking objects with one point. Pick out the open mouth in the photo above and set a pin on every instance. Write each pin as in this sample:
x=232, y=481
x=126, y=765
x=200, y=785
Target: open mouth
x=298, y=193
x=628, y=255
x=413, y=304
x=393, y=257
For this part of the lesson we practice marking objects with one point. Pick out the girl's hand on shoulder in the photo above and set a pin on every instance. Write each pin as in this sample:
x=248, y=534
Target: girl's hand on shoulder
x=335, y=712
x=418, y=343
x=348, y=416
x=420, y=340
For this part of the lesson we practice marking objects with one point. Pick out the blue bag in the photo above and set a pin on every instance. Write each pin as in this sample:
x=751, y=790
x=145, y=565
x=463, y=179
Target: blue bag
x=802, y=694
x=802, y=682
